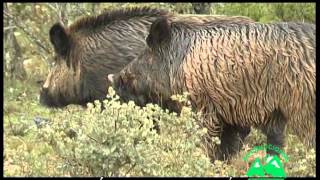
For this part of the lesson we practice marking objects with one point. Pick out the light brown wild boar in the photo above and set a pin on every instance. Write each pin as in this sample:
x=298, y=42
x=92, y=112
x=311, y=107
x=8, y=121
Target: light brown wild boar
x=238, y=76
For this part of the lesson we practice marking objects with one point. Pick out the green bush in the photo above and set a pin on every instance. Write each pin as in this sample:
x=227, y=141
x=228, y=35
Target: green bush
x=121, y=141
x=269, y=12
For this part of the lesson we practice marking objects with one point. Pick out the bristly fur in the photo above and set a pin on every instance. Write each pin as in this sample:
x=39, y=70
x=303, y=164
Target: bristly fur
x=260, y=75
x=107, y=17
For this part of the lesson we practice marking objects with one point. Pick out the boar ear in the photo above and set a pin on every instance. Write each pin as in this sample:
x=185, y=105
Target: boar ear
x=159, y=31
x=60, y=39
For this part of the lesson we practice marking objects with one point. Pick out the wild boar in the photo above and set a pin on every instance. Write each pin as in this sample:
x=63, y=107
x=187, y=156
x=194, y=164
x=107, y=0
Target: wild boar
x=237, y=75
x=91, y=47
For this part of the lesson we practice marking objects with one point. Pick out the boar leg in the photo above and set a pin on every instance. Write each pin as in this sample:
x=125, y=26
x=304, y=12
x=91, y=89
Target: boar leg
x=232, y=139
x=275, y=131
x=212, y=123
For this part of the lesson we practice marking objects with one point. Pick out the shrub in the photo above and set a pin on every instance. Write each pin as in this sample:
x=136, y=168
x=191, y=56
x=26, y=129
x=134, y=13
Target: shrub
x=122, y=141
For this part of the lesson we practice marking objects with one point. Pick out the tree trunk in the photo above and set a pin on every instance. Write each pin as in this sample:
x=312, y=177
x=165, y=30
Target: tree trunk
x=14, y=64
x=5, y=37
x=202, y=8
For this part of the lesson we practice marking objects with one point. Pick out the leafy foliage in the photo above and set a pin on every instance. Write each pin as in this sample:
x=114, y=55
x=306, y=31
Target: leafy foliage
x=270, y=12
x=121, y=141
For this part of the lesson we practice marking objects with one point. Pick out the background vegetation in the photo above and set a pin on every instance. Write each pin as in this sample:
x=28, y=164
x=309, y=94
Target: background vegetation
x=71, y=142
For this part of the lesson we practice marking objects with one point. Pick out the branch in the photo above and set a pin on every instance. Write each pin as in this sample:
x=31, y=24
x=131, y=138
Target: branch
x=52, y=7
x=9, y=27
x=94, y=139
x=130, y=169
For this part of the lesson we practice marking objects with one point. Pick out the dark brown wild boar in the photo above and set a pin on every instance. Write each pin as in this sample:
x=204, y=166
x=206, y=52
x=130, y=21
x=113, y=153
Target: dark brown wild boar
x=89, y=48
x=238, y=76
x=98, y=45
